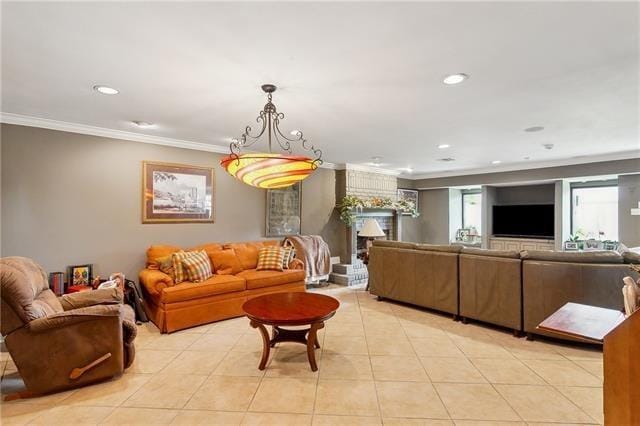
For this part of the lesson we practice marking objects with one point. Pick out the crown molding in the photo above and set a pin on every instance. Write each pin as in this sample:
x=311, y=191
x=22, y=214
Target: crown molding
x=44, y=123
x=65, y=126
x=625, y=155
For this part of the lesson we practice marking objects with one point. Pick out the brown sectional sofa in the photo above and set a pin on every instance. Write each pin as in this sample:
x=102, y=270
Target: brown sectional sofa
x=512, y=289
x=551, y=279
x=421, y=274
x=490, y=287
x=175, y=307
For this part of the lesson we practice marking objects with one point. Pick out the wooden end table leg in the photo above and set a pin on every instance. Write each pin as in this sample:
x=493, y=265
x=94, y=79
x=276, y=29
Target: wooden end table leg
x=312, y=342
x=266, y=344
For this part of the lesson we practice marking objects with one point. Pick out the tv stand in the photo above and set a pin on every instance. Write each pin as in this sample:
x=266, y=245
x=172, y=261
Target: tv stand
x=519, y=244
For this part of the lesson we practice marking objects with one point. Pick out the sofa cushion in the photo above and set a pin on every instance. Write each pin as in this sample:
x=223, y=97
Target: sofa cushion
x=209, y=248
x=225, y=262
x=631, y=256
x=259, y=279
x=439, y=247
x=573, y=257
x=270, y=259
x=216, y=284
x=179, y=272
x=395, y=244
x=512, y=254
x=248, y=252
x=197, y=267
x=159, y=251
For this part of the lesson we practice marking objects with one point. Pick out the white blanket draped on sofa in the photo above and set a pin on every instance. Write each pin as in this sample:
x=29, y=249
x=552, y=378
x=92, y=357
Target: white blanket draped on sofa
x=313, y=251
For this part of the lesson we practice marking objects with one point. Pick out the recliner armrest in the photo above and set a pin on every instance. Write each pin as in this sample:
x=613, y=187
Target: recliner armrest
x=105, y=296
x=75, y=316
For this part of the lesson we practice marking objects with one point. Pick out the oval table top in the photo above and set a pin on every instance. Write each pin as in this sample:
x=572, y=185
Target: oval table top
x=293, y=308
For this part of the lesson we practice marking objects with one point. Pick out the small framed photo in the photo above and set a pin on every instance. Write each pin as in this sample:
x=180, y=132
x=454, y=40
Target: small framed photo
x=592, y=244
x=410, y=195
x=80, y=274
x=570, y=245
x=608, y=245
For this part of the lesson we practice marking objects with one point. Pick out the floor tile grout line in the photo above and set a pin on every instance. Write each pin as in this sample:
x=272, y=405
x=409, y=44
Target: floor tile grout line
x=366, y=341
x=574, y=403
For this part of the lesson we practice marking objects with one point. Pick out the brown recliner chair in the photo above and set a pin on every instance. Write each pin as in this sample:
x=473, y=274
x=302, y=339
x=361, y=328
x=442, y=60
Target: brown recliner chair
x=66, y=342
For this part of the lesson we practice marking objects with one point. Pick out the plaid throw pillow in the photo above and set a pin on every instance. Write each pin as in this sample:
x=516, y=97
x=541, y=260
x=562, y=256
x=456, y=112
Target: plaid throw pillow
x=197, y=266
x=179, y=274
x=270, y=259
x=165, y=264
x=289, y=254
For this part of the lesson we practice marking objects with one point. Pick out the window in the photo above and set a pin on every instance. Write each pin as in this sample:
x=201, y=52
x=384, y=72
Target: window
x=472, y=210
x=594, y=211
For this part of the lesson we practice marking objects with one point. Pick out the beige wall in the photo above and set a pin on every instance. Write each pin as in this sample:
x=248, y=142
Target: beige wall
x=628, y=198
x=71, y=199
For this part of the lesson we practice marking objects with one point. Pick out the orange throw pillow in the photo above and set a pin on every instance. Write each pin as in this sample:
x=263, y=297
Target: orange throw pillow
x=225, y=262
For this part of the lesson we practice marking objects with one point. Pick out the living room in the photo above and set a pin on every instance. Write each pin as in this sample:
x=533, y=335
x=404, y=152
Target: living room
x=319, y=213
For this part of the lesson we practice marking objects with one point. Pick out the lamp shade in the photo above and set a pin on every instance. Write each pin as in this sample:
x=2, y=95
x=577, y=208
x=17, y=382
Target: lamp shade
x=268, y=171
x=371, y=229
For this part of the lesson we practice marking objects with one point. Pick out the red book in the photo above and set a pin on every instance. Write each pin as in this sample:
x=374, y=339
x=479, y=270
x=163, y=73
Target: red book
x=78, y=288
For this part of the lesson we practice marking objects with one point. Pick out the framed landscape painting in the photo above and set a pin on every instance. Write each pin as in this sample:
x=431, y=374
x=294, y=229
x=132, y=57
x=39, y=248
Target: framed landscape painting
x=174, y=193
x=408, y=195
x=284, y=210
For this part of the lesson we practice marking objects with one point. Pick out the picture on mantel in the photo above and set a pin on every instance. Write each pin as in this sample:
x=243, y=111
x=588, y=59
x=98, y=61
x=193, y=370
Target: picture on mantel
x=410, y=195
x=284, y=210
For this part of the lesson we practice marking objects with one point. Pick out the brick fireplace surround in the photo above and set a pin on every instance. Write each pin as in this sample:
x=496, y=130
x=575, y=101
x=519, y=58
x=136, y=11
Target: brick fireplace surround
x=365, y=185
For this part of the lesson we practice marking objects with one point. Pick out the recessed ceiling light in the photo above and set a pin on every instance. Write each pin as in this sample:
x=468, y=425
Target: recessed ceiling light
x=534, y=129
x=455, y=78
x=496, y=162
x=444, y=146
x=446, y=160
x=142, y=124
x=105, y=90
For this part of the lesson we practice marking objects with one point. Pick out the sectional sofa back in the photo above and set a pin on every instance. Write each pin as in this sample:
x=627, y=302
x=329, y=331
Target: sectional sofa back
x=421, y=274
x=491, y=286
x=551, y=279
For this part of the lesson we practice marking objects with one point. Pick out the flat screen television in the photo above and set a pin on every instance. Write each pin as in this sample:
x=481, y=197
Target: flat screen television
x=524, y=220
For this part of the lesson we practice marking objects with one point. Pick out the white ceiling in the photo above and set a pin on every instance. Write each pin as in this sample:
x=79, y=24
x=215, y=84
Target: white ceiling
x=360, y=79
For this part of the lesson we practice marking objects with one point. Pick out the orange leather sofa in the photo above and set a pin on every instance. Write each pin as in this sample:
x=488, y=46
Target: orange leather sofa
x=175, y=307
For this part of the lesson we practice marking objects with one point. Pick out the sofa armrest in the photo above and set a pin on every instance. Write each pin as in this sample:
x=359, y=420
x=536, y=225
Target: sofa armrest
x=154, y=280
x=296, y=264
x=105, y=296
x=76, y=316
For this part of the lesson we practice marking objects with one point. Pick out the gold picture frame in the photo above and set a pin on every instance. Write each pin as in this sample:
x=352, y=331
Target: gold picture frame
x=177, y=193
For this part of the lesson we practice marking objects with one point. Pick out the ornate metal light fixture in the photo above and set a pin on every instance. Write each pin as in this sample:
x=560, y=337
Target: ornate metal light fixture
x=272, y=170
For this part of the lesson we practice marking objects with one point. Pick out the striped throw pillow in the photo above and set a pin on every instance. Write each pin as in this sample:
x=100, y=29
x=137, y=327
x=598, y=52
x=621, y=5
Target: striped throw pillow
x=179, y=274
x=270, y=259
x=289, y=254
x=197, y=266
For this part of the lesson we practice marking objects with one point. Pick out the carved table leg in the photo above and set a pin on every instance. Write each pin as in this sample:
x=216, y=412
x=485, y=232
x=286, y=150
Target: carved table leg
x=312, y=342
x=266, y=343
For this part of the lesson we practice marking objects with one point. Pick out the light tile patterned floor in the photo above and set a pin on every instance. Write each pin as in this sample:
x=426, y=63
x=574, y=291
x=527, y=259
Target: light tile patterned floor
x=380, y=362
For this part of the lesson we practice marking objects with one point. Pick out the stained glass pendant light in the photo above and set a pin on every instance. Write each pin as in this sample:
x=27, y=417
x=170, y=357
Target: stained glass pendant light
x=272, y=170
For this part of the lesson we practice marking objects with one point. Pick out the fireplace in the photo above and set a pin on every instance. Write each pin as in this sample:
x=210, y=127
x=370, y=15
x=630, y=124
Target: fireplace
x=387, y=221
x=355, y=272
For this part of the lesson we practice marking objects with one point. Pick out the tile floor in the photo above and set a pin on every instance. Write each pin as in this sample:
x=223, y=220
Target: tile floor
x=380, y=362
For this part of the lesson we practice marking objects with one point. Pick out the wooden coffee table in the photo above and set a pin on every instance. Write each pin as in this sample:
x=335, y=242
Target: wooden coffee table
x=290, y=309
